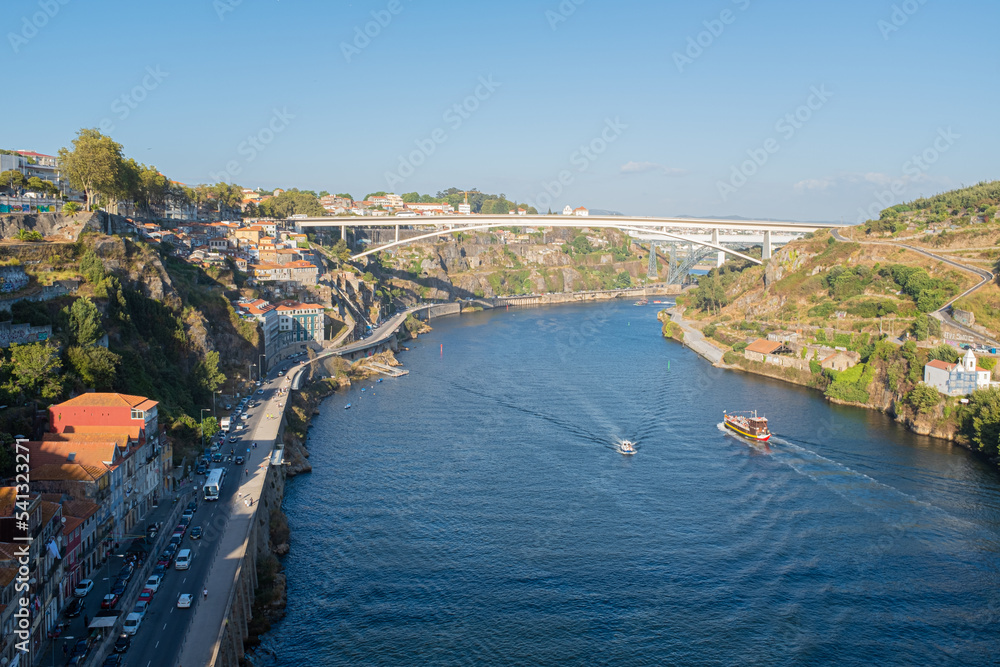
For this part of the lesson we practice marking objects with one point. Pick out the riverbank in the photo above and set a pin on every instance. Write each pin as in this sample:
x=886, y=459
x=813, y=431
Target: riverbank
x=939, y=422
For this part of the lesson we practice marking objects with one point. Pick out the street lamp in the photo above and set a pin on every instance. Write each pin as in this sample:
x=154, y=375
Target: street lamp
x=213, y=401
x=203, y=411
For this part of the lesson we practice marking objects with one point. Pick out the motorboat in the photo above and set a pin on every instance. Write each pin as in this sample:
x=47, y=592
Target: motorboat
x=626, y=447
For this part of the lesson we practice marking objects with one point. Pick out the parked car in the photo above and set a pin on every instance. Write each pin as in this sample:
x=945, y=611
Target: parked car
x=151, y=530
x=81, y=649
x=110, y=601
x=123, y=643
x=193, y=505
x=113, y=660
x=188, y=513
x=118, y=588
x=196, y=533
x=160, y=569
x=83, y=588
x=141, y=608
x=153, y=583
x=146, y=595
x=126, y=572
x=75, y=608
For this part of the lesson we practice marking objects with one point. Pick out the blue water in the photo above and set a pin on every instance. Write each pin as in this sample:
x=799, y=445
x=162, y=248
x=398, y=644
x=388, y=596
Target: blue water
x=476, y=512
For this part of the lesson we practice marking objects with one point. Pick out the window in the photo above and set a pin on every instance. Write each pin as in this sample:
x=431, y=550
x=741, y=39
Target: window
x=138, y=414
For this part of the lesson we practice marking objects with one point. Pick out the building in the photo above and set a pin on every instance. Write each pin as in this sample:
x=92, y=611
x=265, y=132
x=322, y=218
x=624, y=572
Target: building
x=581, y=211
x=303, y=272
x=957, y=379
x=267, y=315
x=390, y=200
x=766, y=351
x=301, y=322
x=839, y=361
x=567, y=210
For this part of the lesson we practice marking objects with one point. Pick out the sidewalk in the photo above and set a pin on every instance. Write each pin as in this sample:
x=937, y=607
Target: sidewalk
x=696, y=340
x=202, y=641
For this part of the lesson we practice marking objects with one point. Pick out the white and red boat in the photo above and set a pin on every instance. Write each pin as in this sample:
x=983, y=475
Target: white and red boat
x=747, y=424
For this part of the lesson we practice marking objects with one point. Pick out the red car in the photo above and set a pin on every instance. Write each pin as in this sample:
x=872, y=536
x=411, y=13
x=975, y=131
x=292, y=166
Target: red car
x=109, y=601
x=146, y=595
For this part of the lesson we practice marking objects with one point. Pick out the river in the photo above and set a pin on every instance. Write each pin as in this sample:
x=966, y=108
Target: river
x=476, y=512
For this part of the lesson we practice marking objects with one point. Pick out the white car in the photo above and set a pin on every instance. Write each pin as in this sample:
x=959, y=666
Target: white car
x=153, y=583
x=185, y=600
x=132, y=623
x=83, y=588
x=140, y=608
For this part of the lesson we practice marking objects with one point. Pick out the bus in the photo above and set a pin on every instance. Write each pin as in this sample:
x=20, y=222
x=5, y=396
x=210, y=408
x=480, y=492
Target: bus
x=213, y=484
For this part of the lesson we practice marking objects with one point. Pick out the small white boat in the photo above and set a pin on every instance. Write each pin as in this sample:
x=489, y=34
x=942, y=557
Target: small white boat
x=626, y=447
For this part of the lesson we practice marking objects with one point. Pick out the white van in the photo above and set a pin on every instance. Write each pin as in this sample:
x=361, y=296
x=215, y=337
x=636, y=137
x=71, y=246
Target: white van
x=183, y=560
x=132, y=623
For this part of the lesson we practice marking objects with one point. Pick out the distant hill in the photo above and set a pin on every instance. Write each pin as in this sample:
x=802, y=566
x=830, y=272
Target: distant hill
x=601, y=211
x=740, y=217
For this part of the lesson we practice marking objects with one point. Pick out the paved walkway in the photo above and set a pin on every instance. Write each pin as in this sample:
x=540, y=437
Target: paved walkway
x=696, y=340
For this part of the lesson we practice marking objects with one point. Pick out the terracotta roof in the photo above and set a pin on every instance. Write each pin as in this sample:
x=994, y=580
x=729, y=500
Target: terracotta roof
x=49, y=510
x=121, y=439
x=85, y=453
x=66, y=472
x=8, y=496
x=72, y=523
x=82, y=509
x=106, y=400
x=295, y=305
x=763, y=346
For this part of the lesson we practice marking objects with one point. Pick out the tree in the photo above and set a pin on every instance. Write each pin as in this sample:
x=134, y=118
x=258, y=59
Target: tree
x=210, y=426
x=945, y=353
x=380, y=193
x=94, y=165
x=207, y=372
x=36, y=369
x=345, y=195
x=324, y=193
x=12, y=179
x=84, y=322
x=96, y=366
x=982, y=421
x=923, y=398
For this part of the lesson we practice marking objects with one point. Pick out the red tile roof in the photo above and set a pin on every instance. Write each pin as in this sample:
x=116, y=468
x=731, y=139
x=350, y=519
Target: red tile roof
x=762, y=346
x=107, y=400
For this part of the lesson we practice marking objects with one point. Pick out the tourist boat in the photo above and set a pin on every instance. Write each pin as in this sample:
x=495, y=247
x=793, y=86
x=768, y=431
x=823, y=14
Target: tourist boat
x=748, y=424
x=626, y=447
x=347, y=407
x=642, y=302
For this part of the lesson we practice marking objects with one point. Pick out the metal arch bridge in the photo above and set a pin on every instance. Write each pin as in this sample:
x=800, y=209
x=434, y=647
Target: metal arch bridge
x=654, y=229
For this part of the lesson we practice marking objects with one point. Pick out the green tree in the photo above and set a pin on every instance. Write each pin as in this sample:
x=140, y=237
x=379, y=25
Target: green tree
x=92, y=267
x=945, y=353
x=70, y=207
x=96, y=366
x=207, y=372
x=94, y=165
x=923, y=398
x=210, y=426
x=35, y=369
x=12, y=178
x=84, y=322
x=982, y=421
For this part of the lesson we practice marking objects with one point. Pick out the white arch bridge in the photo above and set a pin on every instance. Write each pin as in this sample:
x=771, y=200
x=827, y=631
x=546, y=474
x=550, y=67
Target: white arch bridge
x=704, y=232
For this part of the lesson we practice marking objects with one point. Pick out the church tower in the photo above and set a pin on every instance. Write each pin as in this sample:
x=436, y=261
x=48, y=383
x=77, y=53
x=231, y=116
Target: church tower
x=969, y=361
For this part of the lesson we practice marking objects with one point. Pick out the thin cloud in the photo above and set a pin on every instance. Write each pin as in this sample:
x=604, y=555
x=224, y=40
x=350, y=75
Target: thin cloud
x=646, y=167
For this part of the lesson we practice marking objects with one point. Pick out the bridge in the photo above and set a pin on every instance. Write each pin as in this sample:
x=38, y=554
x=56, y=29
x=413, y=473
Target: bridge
x=666, y=230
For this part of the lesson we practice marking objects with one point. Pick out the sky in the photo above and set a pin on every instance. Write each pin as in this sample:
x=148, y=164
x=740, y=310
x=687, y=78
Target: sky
x=809, y=111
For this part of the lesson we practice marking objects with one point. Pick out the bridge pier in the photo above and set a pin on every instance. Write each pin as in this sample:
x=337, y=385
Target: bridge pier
x=720, y=256
x=766, y=249
x=651, y=269
x=397, y=233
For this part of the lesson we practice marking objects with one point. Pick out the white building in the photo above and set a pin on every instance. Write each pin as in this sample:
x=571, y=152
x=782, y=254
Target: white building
x=568, y=210
x=581, y=211
x=956, y=379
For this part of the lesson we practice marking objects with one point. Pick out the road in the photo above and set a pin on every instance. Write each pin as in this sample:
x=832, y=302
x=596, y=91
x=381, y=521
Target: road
x=159, y=639
x=942, y=312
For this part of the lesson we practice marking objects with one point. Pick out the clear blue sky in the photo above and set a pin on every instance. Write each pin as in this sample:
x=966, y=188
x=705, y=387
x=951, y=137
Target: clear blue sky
x=325, y=120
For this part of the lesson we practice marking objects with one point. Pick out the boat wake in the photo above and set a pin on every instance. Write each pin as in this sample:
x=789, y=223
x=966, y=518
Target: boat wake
x=857, y=488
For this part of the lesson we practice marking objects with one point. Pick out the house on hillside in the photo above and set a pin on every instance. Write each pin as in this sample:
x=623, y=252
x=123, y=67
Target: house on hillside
x=766, y=351
x=840, y=361
x=956, y=379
